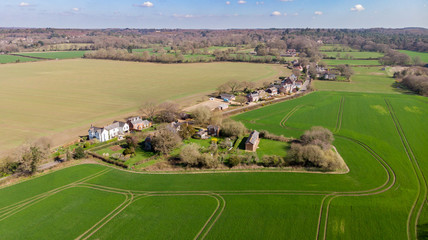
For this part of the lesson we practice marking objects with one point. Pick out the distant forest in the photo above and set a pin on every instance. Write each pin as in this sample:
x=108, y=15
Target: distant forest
x=268, y=44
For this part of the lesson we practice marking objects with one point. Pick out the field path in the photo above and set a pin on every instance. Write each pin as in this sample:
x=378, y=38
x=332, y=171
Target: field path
x=339, y=116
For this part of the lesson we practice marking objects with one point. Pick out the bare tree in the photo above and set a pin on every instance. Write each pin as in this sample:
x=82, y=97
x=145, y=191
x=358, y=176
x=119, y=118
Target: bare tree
x=241, y=99
x=149, y=109
x=234, y=85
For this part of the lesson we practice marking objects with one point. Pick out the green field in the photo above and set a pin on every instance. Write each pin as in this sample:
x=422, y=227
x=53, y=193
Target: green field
x=379, y=198
x=333, y=62
x=55, y=55
x=422, y=55
x=365, y=79
x=14, y=59
x=53, y=97
x=353, y=54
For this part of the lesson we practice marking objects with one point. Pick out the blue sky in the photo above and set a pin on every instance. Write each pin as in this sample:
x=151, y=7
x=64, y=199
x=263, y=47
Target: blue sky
x=214, y=14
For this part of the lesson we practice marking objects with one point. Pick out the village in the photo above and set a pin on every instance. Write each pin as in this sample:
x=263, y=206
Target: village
x=138, y=140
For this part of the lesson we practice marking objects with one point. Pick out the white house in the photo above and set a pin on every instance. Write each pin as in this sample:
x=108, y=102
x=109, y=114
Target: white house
x=108, y=132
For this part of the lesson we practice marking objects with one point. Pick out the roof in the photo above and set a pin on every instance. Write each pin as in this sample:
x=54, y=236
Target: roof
x=254, y=136
x=136, y=122
x=121, y=124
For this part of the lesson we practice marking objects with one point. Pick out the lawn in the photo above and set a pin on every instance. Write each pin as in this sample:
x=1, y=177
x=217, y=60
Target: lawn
x=13, y=59
x=55, y=55
x=333, y=62
x=422, y=55
x=64, y=94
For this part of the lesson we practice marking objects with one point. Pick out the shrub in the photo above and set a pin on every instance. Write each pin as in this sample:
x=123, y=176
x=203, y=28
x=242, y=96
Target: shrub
x=129, y=151
x=234, y=160
x=207, y=160
x=267, y=135
x=86, y=144
x=190, y=154
x=318, y=136
x=79, y=153
x=233, y=128
x=273, y=161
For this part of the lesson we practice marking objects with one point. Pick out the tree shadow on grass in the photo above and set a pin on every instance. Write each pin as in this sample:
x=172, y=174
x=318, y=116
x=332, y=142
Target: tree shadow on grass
x=423, y=231
x=242, y=143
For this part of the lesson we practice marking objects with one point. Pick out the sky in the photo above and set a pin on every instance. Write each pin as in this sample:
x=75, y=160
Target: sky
x=214, y=14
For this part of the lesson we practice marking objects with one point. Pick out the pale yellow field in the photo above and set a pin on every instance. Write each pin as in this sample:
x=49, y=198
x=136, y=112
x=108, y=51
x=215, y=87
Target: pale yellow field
x=62, y=98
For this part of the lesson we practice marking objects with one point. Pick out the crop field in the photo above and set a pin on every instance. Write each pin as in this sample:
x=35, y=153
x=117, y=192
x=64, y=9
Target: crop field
x=55, y=55
x=351, y=62
x=422, y=55
x=381, y=197
x=13, y=59
x=365, y=79
x=53, y=97
x=353, y=54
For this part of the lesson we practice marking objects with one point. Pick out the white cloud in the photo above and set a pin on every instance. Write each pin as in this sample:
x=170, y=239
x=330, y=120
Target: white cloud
x=228, y=3
x=358, y=8
x=242, y=2
x=295, y=14
x=145, y=4
x=318, y=13
x=286, y=0
x=24, y=4
x=285, y=14
x=260, y=3
x=183, y=16
x=275, y=13
x=76, y=9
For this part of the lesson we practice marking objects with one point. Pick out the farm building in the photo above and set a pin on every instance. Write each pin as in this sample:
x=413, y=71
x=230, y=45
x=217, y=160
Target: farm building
x=223, y=106
x=227, y=97
x=252, y=142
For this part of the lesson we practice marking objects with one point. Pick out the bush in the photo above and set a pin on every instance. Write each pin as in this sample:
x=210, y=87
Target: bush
x=314, y=156
x=165, y=140
x=318, y=136
x=190, y=154
x=273, y=161
x=267, y=135
x=79, y=153
x=129, y=151
x=234, y=160
x=233, y=128
x=207, y=160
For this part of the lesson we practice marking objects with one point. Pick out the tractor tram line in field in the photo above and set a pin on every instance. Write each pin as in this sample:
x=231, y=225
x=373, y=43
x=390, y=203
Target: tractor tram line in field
x=414, y=214
x=321, y=232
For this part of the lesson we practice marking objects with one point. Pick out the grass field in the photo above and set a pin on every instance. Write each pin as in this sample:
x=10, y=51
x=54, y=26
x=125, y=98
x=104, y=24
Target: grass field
x=55, y=55
x=50, y=97
x=365, y=79
x=422, y=55
x=14, y=59
x=382, y=197
x=351, y=62
x=379, y=131
x=354, y=54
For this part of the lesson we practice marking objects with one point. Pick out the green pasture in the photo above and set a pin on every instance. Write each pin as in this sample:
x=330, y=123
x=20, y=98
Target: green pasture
x=55, y=55
x=353, y=54
x=334, y=62
x=13, y=59
x=336, y=48
x=365, y=79
x=422, y=55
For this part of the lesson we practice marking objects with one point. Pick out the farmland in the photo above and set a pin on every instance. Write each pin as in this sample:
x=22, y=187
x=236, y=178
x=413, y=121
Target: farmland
x=55, y=55
x=363, y=55
x=423, y=56
x=366, y=79
x=379, y=198
x=351, y=62
x=14, y=59
x=69, y=95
